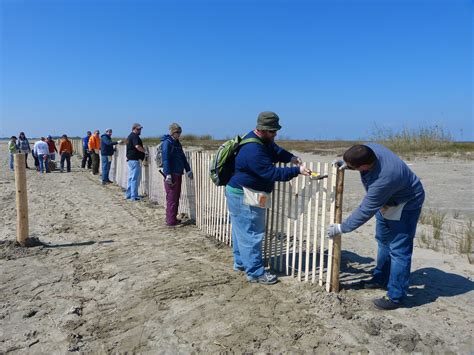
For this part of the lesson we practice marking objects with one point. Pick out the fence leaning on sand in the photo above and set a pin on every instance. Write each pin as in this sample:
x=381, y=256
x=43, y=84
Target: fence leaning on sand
x=295, y=242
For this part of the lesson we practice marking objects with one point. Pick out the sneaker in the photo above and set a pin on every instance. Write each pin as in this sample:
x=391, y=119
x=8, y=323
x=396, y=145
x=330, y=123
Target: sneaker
x=265, y=279
x=372, y=285
x=177, y=224
x=386, y=304
x=238, y=268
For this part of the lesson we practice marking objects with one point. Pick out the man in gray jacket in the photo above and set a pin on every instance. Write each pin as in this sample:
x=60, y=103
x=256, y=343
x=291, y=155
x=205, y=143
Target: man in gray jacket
x=395, y=196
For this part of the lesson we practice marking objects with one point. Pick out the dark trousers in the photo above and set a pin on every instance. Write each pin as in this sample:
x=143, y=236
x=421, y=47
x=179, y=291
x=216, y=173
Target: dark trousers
x=95, y=162
x=66, y=157
x=86, y=158
x=173, y=192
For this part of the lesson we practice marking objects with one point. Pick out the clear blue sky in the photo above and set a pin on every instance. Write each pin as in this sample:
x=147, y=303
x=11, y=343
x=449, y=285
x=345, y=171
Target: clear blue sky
x=330, y=69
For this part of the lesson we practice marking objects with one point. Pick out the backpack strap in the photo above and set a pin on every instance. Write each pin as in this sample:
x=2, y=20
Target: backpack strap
x=250, y=140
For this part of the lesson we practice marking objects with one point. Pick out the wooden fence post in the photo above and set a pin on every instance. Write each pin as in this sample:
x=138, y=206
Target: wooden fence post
x=336, y=255
x=22, y=229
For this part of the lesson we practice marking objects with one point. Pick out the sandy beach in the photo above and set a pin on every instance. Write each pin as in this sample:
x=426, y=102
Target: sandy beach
x=114, y=278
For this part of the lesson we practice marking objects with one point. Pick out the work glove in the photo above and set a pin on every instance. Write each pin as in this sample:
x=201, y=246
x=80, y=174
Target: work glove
x=190, y=174
x=341, y=164
x=119, y=141
x=304, y=170
x=169, y=180
x=296, y=160
x=333, y=230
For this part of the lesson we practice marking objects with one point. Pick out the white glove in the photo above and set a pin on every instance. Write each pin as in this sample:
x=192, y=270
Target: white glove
x=119, y=141
x=169, y=180
x=296, y=160
x=333, y=230
x=190, y=174
x=341, y=164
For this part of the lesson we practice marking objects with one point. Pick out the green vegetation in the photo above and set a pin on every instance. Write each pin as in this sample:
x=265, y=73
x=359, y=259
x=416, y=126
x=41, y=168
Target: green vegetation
x=465, y=246
x=422, y=141
x=431, y=140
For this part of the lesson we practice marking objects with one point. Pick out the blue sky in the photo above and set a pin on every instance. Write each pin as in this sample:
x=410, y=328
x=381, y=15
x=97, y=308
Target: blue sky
x=330, y=69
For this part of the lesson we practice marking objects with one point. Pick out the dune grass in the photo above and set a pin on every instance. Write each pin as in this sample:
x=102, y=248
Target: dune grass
x=408, y=143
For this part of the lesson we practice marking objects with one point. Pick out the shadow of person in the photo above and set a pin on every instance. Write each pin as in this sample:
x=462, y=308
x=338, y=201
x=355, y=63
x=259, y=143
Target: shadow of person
x=428, y=284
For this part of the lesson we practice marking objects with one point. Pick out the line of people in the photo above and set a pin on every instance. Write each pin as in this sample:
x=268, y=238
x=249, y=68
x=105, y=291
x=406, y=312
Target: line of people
x=394, y=195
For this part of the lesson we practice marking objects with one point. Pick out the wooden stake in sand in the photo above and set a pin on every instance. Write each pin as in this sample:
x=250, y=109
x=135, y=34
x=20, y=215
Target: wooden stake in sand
x=22, y=228
x=336, y=254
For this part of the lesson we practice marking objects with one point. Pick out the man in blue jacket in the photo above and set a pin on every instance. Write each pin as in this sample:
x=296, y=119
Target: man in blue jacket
x=174, y=164
x=395, y=196
x=256, y=173
x=106, y=151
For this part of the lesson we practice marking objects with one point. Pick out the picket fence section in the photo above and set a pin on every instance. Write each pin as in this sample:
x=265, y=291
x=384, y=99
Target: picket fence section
x=295, y=242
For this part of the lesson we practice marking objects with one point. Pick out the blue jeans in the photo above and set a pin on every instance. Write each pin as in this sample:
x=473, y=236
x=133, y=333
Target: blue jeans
x=134, y=174
x=106, y=162
x=248, y=229
x=43, y=163
x=395, y=248
x=11, y=161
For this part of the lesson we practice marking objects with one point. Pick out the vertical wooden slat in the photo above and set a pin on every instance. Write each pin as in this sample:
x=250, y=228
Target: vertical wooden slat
x=295, y=226
x=308, y=226
x=282, y=227
x=315, y=225
x=323, y=226
x=288, y=226
x=301, y=227
x=331, y=220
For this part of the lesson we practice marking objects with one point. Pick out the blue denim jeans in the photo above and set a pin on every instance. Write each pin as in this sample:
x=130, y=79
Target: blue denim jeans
x=43, y=163
x=395, y=248
x=248, y=229
x=134, y=175
x=106, y=162
x=11, y=161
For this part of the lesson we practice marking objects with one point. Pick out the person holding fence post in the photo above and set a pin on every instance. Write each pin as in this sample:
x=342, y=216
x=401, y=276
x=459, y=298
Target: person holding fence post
x=65, y=151
x=135, y=153
x=23, y=146
x=106, y=151
x=395, y=196
x=12, y=150
x=94, y=149
x=174, y=164
x=248, y=194
x=86, y=155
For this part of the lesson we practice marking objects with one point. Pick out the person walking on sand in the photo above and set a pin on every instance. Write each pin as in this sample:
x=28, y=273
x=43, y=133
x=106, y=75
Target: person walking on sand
x=12, y=149
x=66, y=152
x=41, y=150
x=52, y=148
x=135, y=153
x=23, y=146
x=252, y=182
x=395, y=196
x=174, y=164
x=94, y=149
x=86, y=155
x=107, y=151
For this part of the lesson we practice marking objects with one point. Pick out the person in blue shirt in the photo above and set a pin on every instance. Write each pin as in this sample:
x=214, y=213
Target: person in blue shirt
x=395, y=196
x=255, y=175
x=86, y=155
x=107, y=149
x=174, y=164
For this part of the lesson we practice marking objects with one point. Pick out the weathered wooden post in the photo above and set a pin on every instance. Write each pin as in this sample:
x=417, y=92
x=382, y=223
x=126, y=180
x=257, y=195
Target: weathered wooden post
x=336, y=255
x=22, y=229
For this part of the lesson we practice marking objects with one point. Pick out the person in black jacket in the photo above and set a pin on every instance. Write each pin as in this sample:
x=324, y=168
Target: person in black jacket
x=135, y=153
